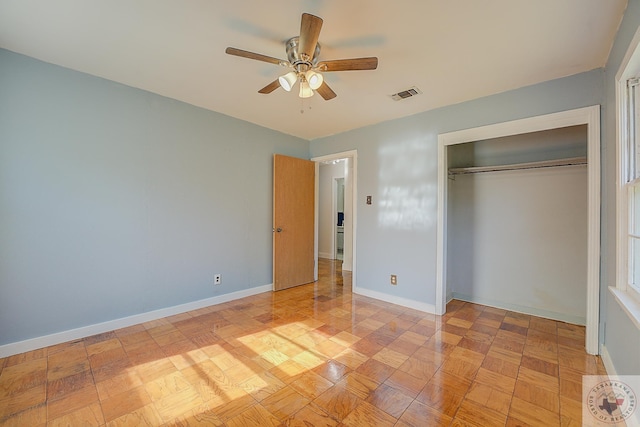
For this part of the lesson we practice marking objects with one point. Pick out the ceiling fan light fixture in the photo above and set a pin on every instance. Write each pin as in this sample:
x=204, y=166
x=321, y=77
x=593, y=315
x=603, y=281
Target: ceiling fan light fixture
x=305, y=89
x=288, y=80
x=315, y=79
x=303, y=53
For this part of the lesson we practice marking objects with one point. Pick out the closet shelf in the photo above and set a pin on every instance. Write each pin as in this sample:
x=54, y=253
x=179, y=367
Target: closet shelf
x=517, y=166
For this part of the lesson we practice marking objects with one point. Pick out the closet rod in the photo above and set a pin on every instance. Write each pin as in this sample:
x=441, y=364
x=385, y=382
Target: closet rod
x=573, y=161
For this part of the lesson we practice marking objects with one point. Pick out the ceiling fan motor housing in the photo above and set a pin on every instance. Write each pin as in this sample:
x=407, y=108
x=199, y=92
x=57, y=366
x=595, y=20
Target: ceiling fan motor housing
x=299, y=62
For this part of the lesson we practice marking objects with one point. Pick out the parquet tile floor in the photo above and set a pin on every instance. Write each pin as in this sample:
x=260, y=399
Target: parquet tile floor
x=314, y=355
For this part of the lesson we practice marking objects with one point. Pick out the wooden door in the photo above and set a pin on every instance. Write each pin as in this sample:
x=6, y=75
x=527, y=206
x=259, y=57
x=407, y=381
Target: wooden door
x=293, y=221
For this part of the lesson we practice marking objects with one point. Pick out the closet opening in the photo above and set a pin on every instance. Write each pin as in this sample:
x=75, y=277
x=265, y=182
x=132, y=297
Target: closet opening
x=519, y=218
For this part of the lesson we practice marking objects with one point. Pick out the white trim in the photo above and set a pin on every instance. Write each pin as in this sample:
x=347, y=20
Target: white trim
x=349, y=229
x=334, y=223
x=353, y=155
x=563, y=317
x=611, y=373
x=587, y=115
x=123, y=322
x=592, y=118
x=326, y=255
x=607, y=362
x=629, y=62
x=316, y=201
x=394, y=299
x=516, y=127
x=629, y=304
x=625, y=295
x=621, y=198
x=441, y=241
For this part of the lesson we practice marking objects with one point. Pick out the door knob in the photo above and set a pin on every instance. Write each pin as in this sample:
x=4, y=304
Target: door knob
x=279, y=230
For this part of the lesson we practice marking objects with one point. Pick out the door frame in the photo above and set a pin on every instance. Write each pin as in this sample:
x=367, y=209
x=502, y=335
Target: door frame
x=589, y=116
x=334, y=207
x=334, y=224
x=353, y=156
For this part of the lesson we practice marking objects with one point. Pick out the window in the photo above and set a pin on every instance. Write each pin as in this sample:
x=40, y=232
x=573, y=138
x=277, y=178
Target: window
x=627, y=287
x=631, y=173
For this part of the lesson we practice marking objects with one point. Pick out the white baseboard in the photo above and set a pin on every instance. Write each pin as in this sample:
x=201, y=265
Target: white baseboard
x=325, y=255
x=568, y=318
x=607, y=362
x=612, y=373
x=448, y=298
x=405, y=302
x=99, y=328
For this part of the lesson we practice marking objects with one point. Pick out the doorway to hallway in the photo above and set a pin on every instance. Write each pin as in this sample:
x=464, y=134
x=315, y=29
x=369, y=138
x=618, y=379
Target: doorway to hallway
x=336, y=225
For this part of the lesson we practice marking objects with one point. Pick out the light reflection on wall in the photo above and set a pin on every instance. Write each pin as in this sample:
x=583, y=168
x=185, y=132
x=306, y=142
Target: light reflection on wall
x=407, y=185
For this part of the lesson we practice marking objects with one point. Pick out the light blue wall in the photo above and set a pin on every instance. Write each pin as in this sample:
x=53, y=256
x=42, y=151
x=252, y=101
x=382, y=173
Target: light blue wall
x=621, y=336
x=397, y=165
x=115, y=201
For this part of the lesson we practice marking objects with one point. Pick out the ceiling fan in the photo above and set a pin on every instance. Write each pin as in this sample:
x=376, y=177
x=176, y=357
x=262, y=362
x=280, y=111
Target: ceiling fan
x=302, y=54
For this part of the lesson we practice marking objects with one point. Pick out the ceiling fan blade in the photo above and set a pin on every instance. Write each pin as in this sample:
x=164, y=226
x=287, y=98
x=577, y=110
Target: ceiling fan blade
x=309, y=33
x=270, y=87
x=252, y=55
x=369, y=63
x=326, y=92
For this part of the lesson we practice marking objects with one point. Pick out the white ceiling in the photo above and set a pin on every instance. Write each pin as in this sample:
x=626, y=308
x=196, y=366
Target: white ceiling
x=453, y=50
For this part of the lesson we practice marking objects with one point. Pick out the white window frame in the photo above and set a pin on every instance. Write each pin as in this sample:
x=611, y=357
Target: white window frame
x=627, y=295
x=630, y=174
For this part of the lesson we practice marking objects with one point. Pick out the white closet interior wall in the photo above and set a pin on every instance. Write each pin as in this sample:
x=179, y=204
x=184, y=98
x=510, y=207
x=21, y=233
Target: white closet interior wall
x=518, y=239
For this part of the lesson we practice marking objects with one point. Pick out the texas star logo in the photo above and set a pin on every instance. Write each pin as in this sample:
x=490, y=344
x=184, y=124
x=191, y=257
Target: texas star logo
x=611, y=401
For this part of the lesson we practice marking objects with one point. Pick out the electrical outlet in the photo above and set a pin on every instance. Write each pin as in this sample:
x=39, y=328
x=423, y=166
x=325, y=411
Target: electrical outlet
x=394, y=279
x=217, y=279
